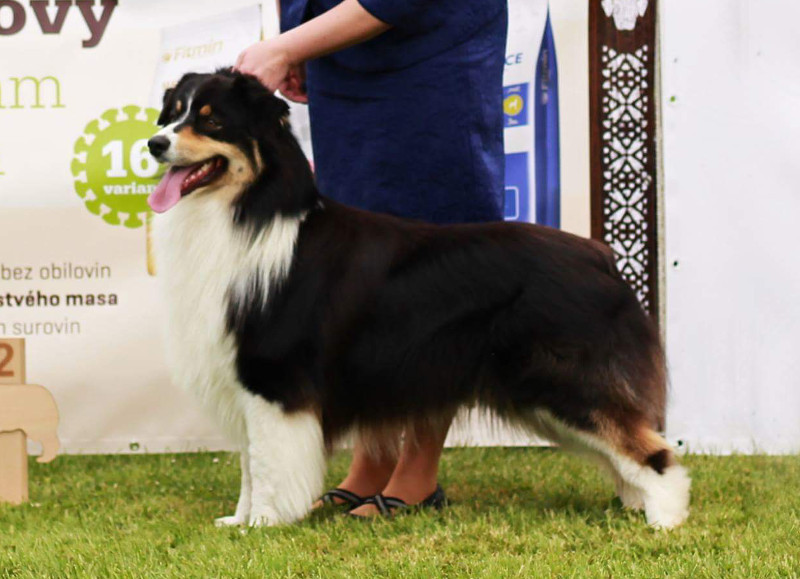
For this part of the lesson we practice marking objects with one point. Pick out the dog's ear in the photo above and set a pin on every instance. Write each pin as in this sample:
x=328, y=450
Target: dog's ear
x=265, y=109
x=166, y=106
x=167, y=103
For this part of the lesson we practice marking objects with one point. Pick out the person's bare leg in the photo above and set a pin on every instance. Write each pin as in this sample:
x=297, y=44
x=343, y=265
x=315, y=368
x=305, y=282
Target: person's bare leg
x=415, y=477
x=367, y=476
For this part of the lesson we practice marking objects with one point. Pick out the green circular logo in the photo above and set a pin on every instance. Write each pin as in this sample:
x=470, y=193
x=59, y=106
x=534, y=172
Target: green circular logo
x=113, y=169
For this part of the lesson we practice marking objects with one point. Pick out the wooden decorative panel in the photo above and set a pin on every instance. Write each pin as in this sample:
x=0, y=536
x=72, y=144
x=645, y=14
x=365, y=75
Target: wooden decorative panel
x=622, y=41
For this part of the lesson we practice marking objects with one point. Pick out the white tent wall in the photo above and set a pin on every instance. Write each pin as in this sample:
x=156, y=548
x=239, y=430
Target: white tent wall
x=731, y=121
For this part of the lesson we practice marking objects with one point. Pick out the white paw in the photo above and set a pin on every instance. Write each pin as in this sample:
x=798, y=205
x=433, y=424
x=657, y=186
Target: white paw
x=232, y=521
x=264, y=521
x=667, y=502
x=631, y=497
x=666, y=520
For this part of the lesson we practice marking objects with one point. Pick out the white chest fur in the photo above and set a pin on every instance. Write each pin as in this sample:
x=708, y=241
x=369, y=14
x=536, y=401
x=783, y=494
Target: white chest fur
x=202, y=260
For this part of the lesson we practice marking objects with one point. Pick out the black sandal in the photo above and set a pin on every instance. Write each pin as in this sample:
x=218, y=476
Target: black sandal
x=386, y=505
x=349, y=500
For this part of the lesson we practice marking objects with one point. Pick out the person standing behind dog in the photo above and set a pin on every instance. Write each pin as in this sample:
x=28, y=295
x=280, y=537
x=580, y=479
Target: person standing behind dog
x=405, y=101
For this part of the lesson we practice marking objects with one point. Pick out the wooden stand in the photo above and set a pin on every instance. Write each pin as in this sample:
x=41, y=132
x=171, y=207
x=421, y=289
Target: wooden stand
x=26, y=410
x=13, y=467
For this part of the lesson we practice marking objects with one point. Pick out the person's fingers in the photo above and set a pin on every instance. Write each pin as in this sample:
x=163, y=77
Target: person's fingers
x=270, y=81
x=295, y=96
x=270, y=68
x=287, y=84
x=290, y=89
x=299, y=94
x=291, y=82
x=298, y=79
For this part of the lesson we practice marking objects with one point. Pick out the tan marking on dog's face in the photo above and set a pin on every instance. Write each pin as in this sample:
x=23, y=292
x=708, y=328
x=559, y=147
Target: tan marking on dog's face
x=191, y=147
x=205, y=111
x=257, y=155
x=179, y=106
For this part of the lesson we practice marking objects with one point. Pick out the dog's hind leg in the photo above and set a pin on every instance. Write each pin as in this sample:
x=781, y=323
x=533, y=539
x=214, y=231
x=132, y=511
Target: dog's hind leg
x=639, y=460
x=632, y=497
x=648, y=475
x=242, y=515
x=287, y=461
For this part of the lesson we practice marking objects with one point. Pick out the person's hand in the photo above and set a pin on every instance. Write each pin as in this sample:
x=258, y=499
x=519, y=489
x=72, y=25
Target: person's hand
x=271, y=65
x=294, y=88
x=279, y=63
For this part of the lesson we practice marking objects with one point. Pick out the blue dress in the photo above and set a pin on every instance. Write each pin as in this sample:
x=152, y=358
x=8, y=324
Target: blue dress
x=410, y=122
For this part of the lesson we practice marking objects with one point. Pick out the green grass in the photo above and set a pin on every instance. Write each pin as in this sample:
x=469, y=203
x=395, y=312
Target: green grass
x=516, y=513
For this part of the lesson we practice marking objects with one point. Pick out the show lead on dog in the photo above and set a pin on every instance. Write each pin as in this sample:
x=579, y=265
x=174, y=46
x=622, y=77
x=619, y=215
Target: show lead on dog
x=405, y=101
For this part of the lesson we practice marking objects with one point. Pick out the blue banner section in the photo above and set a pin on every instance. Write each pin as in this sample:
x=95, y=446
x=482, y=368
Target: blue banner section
x=515, y=105
x=517, y=206
x=546, y=139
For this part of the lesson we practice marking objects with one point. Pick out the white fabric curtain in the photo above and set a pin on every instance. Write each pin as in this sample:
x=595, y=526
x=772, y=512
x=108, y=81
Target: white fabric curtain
x=731, y=120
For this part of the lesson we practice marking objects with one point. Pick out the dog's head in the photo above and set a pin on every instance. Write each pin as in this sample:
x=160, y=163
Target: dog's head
x=217, y=131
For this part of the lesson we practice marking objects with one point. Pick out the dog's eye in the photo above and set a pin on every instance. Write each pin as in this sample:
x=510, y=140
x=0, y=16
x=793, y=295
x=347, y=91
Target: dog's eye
x=212, y=122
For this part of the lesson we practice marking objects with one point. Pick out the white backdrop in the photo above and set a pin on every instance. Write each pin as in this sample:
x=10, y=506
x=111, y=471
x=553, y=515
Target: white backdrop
x=731, y=102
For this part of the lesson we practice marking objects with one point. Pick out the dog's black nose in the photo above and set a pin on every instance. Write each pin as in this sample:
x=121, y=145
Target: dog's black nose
x=158, y=145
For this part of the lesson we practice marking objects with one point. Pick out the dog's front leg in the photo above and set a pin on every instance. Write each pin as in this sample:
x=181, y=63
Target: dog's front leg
x=242, y=515
x=287, y=461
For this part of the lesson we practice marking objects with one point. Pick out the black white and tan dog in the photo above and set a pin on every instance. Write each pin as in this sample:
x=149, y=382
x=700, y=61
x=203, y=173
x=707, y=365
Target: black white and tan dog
x=297, y=320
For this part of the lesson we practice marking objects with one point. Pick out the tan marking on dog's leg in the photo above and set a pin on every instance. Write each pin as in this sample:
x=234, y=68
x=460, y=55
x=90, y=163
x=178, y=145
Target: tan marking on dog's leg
x=664, y=496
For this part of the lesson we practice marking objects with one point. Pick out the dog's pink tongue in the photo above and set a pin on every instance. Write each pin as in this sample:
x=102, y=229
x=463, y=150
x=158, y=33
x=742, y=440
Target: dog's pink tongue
x=168, y=192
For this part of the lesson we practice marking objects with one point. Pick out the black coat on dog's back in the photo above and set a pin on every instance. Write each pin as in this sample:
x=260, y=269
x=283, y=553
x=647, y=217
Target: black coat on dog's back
x=383, y=320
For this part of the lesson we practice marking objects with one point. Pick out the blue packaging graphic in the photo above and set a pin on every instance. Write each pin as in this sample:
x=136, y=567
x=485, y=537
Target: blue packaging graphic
x=546, y=141
x=515, y=105
x=517, y=202
x=531, y=118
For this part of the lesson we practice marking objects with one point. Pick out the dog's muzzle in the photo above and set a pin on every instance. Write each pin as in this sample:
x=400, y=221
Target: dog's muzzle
x=158, y=145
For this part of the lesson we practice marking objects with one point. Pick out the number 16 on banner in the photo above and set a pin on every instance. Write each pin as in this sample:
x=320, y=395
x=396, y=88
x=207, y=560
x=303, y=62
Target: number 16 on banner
x=114, y=172
x=141, y=163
